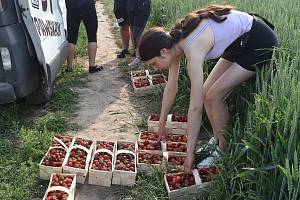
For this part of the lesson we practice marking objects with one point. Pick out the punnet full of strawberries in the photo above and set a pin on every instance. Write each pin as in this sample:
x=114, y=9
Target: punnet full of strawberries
x=83, y=142
x=105, y=145
x=147, y=145
x=135, y=74
x=126, y=146
x=55, y=157
x=177, y=147
x=154, y=117
x=177, y=138
x=149, y=158
x=158, y=80
x=57, y=195
x=125, y=162
x=62, y=180
x=179, y=118
x=102, y=161
x=67, y=140
x=146, y=135
x=176, y=160
x=180, y=180
x=141, y=82
x=77, y=158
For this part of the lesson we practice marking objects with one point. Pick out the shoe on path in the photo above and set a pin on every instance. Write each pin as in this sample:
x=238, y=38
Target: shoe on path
x=94, y=69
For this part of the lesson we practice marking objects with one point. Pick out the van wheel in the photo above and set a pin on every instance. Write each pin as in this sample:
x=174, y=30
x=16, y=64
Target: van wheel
x=42, y=94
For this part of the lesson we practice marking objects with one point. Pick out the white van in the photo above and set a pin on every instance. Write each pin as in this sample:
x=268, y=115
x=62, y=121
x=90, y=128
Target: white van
x=33, y=46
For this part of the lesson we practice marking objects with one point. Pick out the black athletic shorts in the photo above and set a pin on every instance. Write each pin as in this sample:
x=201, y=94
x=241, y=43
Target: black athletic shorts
x=253, y=49
x=121, y=13
x=86, y=13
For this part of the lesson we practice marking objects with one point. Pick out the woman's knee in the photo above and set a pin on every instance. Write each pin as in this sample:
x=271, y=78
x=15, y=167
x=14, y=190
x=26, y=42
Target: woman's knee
x=212, y=95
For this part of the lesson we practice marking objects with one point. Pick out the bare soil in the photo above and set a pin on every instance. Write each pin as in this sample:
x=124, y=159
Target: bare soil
x=107, y=109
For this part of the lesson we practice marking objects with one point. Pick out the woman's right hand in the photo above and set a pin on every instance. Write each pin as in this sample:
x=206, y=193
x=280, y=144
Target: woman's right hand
x=162, y=133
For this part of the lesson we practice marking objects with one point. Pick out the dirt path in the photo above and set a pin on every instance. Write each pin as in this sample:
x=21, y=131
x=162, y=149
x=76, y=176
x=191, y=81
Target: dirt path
x=106, y=108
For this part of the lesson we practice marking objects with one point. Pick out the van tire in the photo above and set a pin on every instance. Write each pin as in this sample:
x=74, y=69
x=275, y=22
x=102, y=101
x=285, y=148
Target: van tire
x=41, y=95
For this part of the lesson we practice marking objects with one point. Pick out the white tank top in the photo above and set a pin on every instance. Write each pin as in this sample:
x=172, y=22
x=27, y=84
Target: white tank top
x=236, y=24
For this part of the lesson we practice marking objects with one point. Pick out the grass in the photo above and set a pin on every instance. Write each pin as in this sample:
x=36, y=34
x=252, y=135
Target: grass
x=262, y=159
x=26, y=132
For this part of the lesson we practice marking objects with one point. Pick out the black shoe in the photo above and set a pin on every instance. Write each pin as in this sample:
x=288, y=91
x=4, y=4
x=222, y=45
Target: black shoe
x=123, y=53
x=69, y=69
x=96, y=68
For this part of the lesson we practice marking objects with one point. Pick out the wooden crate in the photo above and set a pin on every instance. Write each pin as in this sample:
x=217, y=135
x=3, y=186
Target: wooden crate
x=172, y=167
x=142, y=90
x=46, y=171
x=125, y=178
x=186, y=192
x=70, y=192
x=176, y=127
x=81, y=173
x=152, y=124
x=155, y=76
x=97, y=177
x=148, y=168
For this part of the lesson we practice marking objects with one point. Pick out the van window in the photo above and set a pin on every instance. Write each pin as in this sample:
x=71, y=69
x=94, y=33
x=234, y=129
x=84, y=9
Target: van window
x=3, y=5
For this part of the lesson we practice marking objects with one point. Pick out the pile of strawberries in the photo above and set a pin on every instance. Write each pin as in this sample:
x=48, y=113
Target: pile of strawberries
x=62, y=180
x=136, y=74
x=206, y=174
x=126, y=146
x=146, y=145
x=148, y=158
x=179, y=118
x=145, y=135
x=57, y=195
x=158, y=80
x=83, y=142
x=125, y=162
x=177, y=147
x=177, y=138
x=67, y=140
x=102, y=161
x=141, y=82
x=105, y=145
x=77, y=158
x=55, y=157
x=176, y=160
x=180, y=180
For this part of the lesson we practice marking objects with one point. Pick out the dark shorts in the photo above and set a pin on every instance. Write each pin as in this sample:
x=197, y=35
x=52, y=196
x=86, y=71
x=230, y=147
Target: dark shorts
x=121, y=12
x=255, y=48
x=86, y=13
x=139, y=18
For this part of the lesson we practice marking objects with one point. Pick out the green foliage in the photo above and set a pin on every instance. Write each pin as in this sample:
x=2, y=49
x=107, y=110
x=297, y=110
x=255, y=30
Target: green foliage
x=262, y=159
x=25, y=136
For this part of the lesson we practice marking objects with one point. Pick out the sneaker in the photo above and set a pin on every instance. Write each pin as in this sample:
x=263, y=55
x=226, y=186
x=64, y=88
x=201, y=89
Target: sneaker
x=212, y=142
x=209, y=161
x=123, y=53
x=136, y=63
x=94, y=69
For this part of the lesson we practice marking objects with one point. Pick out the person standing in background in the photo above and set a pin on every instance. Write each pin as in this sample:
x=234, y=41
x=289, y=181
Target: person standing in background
x=84, y=10
x=138, y=13
x=121, y=13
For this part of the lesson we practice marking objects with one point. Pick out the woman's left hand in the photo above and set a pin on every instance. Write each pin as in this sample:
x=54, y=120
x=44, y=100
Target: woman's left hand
x=189, y=162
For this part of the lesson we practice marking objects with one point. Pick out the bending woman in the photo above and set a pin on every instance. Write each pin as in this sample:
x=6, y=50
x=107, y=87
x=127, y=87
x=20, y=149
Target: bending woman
x=241, y=41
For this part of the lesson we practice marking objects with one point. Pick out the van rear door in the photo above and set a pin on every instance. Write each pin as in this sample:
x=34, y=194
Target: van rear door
x=45, y=24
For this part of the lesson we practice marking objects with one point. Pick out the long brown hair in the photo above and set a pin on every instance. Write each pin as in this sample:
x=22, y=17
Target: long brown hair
x=157, y=38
